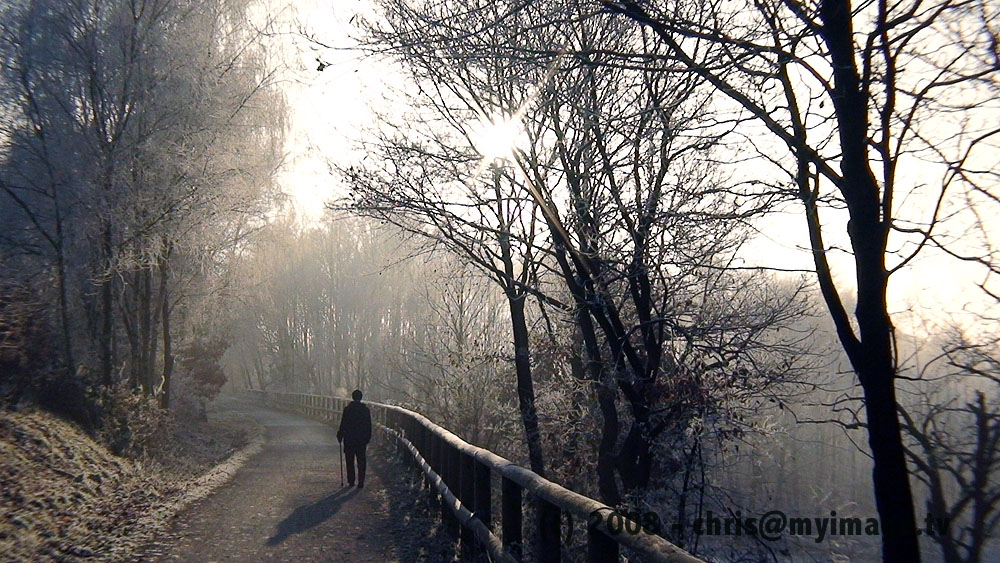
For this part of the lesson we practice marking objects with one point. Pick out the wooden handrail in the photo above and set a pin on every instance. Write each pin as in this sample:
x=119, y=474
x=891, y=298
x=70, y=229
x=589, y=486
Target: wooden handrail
x=465, y=516
x=433, y=442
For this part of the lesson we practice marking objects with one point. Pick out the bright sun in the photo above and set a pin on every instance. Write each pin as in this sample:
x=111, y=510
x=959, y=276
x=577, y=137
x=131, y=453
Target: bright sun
x=496, y=138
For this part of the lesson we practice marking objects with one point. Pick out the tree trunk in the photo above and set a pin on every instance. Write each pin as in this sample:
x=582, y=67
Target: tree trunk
x=146, y=335
x=525, y=387
x=679, y=537
x=168, y=355
x=107, y=312
x=635, y=459
x=606, y=483
x=937, y=506
x=131, y=332
x=871, y=353
x=982, y=470
x=889, y=474
x=873, y=359
x=67, y=331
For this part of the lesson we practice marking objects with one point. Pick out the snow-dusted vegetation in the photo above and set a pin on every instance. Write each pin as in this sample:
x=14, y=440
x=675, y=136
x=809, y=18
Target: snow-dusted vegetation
x=690, y=259
x=66, y=497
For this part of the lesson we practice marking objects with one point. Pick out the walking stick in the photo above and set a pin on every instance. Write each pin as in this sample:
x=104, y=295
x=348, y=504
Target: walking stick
x=341, y=463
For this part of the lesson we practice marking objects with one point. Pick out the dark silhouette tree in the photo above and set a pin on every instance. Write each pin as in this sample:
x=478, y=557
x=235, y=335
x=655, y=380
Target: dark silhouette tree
x=852, y=94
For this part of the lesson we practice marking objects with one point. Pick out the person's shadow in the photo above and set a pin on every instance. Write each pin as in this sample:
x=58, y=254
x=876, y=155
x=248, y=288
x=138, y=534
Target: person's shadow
x=309, y=515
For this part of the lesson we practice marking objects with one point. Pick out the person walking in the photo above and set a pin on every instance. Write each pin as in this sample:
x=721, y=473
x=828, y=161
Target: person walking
x=355, y=432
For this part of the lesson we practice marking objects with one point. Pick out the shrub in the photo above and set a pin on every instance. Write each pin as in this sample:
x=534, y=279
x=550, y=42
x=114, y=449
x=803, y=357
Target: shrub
x=133, y=422
x=30, y=368
x=200, y=377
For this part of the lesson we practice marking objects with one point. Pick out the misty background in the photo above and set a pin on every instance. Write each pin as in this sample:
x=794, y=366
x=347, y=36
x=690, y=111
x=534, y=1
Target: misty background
x=627, y=246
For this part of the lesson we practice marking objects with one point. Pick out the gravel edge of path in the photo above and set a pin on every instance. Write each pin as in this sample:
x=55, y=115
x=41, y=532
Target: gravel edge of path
x=196, y=489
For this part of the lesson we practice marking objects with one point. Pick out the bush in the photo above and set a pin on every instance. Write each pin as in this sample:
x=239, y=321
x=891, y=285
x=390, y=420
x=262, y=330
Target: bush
x=30, y=369
x=200, y=377
x=25, y=342
x=134, y=424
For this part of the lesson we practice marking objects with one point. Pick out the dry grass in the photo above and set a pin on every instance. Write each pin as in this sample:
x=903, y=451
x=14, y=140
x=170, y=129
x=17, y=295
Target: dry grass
x=64, y=497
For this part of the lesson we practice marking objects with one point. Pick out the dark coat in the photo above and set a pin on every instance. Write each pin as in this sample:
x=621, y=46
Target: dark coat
x=355, y=425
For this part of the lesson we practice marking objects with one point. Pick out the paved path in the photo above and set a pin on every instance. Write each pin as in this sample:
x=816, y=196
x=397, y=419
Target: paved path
x=287, y=504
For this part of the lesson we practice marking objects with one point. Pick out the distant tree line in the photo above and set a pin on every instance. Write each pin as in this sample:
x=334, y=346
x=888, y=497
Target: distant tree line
x=345, y=303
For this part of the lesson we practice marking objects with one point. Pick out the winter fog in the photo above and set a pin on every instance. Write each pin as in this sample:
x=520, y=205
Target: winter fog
x=617, y=280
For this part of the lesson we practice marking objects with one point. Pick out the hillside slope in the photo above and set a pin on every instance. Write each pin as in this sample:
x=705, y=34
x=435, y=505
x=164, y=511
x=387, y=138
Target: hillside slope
x=64, y=497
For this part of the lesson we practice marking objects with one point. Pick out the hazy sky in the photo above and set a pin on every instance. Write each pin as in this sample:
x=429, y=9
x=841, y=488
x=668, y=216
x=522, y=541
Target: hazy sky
x=329, y=109
x=332, y=108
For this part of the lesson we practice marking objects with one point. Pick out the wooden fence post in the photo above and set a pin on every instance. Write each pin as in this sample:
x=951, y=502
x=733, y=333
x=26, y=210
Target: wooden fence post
x=425, y=450
x=443, y=473
x=600, y=548
x=435, y=449
x=483, y=494
x=454, y=483
x=548, y=516
x=466, y=494
x=510, y=494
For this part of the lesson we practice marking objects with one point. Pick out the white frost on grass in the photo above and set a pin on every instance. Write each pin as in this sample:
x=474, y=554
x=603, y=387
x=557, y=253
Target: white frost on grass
x=64, y=497
x=157, y=520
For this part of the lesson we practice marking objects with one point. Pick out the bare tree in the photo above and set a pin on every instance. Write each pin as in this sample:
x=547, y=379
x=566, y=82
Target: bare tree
x=638, y=234
x=424, y=186
x=490, y=224
x=450, y=367
x=952, y=440
x=851, y=95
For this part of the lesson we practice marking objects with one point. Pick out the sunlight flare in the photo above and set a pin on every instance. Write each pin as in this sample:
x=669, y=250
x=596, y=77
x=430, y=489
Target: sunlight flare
x=496, y=137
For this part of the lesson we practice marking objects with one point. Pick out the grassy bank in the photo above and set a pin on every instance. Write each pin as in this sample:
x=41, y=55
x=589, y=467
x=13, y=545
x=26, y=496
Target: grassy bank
x=64, y=496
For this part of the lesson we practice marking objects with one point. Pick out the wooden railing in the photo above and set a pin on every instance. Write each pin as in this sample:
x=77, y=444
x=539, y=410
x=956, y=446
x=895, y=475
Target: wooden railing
x=461, y=474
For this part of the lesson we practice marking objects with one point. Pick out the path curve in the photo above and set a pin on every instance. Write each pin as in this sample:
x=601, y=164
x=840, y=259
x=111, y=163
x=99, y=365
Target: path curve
x=287, y=504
